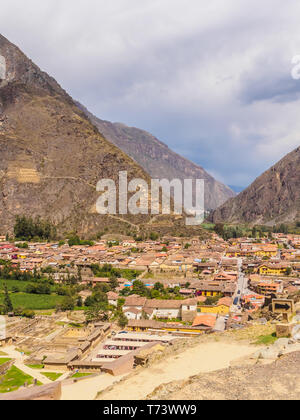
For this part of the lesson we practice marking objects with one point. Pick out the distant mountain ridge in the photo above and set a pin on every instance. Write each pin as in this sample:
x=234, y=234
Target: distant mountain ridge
x=158, y=160
x=272, y=198
x=52, y=156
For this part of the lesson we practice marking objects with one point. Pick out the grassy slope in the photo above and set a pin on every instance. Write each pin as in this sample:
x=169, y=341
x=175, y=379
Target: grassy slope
x=30, y=301
x=13, y=380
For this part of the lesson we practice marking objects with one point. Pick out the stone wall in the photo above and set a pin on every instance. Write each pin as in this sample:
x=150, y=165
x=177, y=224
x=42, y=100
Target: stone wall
x=45, y=392
x=284, y=330
x=6, y=366
x=188, y=316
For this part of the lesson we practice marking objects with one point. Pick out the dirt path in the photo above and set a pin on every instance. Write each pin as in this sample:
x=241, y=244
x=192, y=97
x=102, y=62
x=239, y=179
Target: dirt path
x=19, y=363
x=88, y=389
x=206, y=357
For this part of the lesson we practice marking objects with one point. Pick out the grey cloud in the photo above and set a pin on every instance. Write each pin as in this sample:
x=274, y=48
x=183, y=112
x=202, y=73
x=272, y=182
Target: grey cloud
x=212, y=80
x=284, y=89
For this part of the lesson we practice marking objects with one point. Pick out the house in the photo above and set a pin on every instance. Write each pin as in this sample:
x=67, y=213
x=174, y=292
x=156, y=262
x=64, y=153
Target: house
x=268, y=251
x=177, y=264
x=142, y=263
x=113, y=298
x=133, y=313
x=166, y=328
x=172, y=309
x=164, y=309
x=269, y=288
x=273, y=269
x=133, y=306
x=233, y=252
x=136, y=307
x=201, y=267
x=221, y=308
x=225, y=277
x=253, y=300
x=213, y=288
x=205, y=321
x=129, y=243
x=186, y=292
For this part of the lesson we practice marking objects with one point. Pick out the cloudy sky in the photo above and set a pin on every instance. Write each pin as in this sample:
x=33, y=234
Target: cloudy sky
x=210, y=79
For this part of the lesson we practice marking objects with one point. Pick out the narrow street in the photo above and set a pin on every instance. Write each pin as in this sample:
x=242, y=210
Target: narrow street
x=242, y=288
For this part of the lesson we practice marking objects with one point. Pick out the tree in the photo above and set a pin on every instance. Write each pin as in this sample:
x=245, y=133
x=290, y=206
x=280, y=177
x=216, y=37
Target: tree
x=154, y=236
x=288, y=271
x=27, y=228
x=8, y=306
x=79, y=302
x=120, y=304
x=97, y=312
x=28, y=313
x=159, y=286
x=89, y=301
x=122, y=321
x=155, y=294
x=67, y=304
x=219, y=229
x=212, y=300
x=113, y=282
x=74, y=240
x=139, y=288
x=99, y=297
x=79, y=276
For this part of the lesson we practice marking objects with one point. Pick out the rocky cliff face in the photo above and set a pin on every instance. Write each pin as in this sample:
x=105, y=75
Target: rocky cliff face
x=273, y=198
x=158, y=160
x=51, y=155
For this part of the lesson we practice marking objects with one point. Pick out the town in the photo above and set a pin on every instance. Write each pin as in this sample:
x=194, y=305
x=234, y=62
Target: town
x=106, y=307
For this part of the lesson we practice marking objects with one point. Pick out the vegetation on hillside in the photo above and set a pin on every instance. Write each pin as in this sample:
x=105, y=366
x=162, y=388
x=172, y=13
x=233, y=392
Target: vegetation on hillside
x=28, y=229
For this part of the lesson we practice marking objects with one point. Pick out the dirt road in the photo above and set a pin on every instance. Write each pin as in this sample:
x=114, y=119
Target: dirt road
x=205, y=357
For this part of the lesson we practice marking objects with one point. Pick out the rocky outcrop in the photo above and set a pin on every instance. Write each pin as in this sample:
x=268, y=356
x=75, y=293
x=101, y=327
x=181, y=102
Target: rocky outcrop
x=273, y=198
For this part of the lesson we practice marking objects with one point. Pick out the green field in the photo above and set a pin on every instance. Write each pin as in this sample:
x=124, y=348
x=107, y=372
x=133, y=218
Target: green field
x=13, y=380
x=21, y=285
x=52, y=376
x=81, y=375
x=38, y=367
x=30, y=301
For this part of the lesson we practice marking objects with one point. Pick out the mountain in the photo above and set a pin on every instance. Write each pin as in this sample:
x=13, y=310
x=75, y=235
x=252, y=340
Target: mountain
x=52, y=157
x=236, y=188
x=51, y=154
x=158, y=160
x=273, y=198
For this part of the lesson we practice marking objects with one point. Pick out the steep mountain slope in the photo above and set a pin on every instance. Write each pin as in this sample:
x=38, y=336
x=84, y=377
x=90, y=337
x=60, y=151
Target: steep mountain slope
x=51, y=155
x=158, y=160
x=273, y=198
